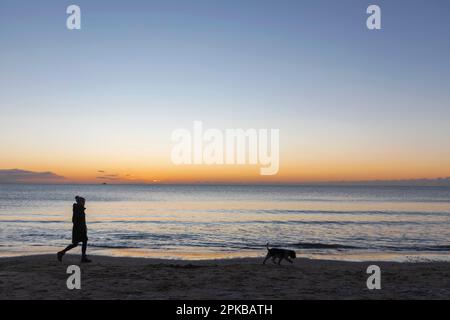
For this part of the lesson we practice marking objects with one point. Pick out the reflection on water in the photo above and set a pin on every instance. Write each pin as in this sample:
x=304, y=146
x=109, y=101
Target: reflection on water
x=198, y=222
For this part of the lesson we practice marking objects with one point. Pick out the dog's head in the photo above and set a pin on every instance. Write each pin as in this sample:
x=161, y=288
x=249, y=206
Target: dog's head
x=292, y=254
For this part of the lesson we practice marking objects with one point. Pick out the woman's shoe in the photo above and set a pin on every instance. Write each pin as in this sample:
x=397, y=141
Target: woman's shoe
x=84, y=259
x=59, y=256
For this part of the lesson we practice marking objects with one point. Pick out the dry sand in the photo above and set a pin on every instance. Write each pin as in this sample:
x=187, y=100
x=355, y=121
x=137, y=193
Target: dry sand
x=42, y=277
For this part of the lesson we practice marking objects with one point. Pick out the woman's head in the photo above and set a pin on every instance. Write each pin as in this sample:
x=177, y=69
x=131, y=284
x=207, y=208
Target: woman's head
x=80, y=200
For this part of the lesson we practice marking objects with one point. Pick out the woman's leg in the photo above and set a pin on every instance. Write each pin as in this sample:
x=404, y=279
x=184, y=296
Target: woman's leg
x=83, y=248
x=69, y=247
x=60, y=254
x=83, y=251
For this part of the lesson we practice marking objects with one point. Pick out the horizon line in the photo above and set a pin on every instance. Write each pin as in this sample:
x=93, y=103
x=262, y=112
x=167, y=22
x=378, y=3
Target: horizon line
x=437, y=182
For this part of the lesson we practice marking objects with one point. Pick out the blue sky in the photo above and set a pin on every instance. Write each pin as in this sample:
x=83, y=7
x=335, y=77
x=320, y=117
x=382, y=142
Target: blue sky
x=139, y=69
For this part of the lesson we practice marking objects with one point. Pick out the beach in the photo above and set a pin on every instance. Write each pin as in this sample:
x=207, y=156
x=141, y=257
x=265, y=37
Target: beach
x=208, y=242
x=43, y=277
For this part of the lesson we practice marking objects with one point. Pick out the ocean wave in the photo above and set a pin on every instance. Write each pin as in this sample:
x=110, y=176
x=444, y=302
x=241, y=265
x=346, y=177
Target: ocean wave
x=354, y=212
x=311, y=245
x=382, y=248
x=33, y=221
x=246, y=222
x=439, y=248
x=110, y=246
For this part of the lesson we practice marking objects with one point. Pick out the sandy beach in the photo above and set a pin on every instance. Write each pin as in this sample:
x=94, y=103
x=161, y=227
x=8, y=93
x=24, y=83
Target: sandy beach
x=42, y=277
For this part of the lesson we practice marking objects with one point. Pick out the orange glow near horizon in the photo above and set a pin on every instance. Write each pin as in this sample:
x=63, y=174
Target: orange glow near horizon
x=298, y=164
x=289, y=174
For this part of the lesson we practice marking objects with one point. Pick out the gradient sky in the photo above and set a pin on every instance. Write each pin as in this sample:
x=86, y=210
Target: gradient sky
x=350, y=103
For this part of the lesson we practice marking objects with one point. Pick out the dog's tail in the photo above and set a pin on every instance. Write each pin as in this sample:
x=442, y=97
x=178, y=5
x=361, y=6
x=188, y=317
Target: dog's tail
x=267, y=246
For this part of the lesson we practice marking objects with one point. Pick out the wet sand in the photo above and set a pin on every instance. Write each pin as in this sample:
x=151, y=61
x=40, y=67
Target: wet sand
x=43, y=277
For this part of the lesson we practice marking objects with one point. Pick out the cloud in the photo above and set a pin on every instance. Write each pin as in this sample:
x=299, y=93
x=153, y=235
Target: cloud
x=119, y=178
x=437, y=182
x=109, y=177
x=24, y=176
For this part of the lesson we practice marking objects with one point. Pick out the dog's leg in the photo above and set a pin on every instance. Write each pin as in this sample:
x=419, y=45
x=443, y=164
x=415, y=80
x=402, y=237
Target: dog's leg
x=279, y=261
x=273, y=259
x=267, y=257
x=289, y=260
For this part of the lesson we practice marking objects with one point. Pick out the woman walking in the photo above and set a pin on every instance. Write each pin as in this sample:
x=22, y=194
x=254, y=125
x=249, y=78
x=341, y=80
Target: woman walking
x=79, y=230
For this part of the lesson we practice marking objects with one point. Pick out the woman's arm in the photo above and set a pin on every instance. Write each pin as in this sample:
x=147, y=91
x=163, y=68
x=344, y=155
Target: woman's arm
x=76, y=215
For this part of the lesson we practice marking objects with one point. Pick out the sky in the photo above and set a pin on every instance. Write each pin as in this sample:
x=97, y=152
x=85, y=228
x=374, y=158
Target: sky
x=100, y=104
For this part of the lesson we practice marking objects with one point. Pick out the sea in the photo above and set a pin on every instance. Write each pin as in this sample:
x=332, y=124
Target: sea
x=354, y=223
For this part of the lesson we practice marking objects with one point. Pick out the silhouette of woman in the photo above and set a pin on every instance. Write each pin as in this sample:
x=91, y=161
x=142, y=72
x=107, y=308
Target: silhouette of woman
x=79, y=230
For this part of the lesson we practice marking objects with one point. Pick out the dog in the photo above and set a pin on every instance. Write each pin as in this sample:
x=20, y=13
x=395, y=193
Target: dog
x=280, y=254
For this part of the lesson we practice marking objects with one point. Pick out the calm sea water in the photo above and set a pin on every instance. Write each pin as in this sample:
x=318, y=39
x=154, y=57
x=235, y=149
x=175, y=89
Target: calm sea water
x=344, y=222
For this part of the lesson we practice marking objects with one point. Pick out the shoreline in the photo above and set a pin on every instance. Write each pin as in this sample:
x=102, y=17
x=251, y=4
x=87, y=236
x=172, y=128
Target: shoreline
x=43, y=277
x=202, y=254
